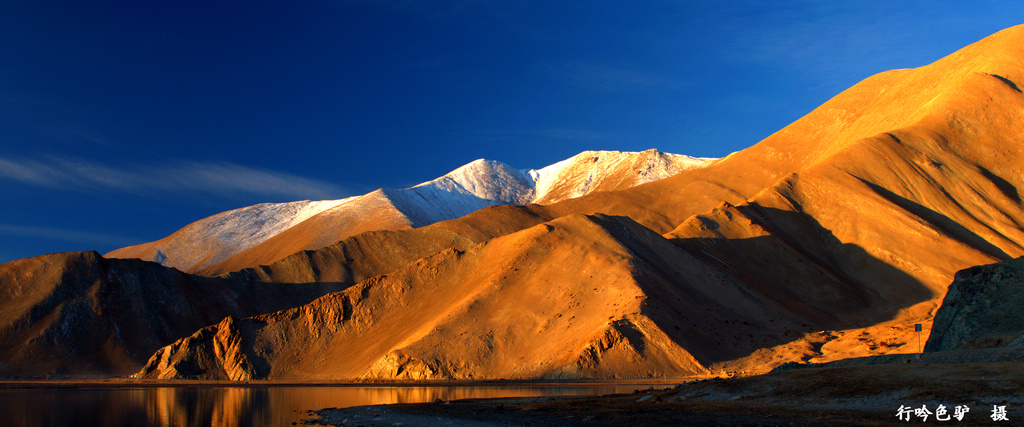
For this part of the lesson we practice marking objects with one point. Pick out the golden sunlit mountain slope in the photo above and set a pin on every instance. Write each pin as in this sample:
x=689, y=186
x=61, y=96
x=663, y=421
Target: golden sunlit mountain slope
x=79, y=314
x=935, y=193
x=836, y=234
x=369, y=254
x=975, y=83
x=507, y=308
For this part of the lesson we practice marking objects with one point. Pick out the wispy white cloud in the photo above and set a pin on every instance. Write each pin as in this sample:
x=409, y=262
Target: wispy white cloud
x=29, y=172
x=65, y=235
x=223, y=179
x=232, y=178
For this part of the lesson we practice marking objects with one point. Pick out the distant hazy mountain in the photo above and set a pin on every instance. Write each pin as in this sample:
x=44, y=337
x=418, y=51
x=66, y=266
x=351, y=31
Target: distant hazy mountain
x=235, y=239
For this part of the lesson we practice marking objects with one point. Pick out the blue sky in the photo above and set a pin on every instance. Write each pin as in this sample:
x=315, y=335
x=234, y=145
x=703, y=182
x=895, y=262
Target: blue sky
x=122, y=121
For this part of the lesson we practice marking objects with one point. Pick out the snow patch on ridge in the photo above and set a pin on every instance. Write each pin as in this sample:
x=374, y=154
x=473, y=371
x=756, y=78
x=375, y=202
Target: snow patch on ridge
x=575, y=176
x=486, y=179
x=253, y=224
x=213, y=239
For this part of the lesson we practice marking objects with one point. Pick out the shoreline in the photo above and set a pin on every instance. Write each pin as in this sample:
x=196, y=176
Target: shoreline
x=131, y=383
x=858, y=394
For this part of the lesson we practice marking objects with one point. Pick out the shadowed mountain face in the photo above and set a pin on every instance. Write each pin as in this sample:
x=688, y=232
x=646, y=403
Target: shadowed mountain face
x=829, y=239
x=78, y=314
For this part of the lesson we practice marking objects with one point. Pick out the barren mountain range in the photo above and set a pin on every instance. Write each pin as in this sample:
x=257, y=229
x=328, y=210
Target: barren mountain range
x=265, y=233
x=829, y=239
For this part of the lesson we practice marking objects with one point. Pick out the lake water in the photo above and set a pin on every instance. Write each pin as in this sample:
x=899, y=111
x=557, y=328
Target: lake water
x=239, y=406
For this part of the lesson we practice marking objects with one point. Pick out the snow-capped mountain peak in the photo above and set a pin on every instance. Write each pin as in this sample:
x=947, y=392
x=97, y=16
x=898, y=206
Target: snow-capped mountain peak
x=589, y=170
x=214, y=238
x=487, y=179
x=473, y=186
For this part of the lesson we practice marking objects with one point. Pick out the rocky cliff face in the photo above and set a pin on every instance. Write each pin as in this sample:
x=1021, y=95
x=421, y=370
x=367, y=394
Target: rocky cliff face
x=982, y=309
x=221, y=346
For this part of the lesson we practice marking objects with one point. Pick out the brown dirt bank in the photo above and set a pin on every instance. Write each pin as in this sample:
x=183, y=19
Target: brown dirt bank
x=843, y=395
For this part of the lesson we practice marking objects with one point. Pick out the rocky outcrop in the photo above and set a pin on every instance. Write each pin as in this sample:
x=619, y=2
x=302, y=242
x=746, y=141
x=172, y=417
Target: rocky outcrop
x=224, y=347
x=982, y=309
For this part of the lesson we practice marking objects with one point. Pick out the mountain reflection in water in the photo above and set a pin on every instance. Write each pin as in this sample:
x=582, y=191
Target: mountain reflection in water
x=238, y=406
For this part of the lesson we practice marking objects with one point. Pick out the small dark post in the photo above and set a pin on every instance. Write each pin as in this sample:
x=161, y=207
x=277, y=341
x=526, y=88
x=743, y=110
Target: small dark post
x=917, y=328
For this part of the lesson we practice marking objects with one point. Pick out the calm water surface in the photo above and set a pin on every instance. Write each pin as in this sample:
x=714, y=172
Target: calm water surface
x=238, y=406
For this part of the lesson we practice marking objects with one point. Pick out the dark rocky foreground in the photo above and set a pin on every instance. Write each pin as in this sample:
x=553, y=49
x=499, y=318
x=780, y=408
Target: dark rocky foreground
x=867, y=394
x=582, y=412
x=981, y=309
